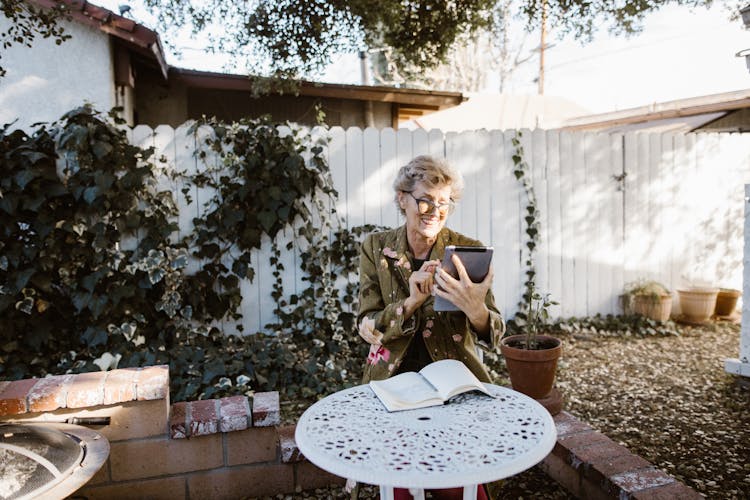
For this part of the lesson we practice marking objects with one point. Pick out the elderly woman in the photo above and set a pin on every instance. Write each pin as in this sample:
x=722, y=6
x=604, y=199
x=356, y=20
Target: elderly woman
x=400, y=274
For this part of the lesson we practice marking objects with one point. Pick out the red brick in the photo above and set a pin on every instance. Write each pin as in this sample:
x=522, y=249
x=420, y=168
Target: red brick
x=13, y=397
x=310, y=476
x=169, y=488
x=120, y=386
x=252, y=445
x=584, y=458
x=178, y=428
x=618, y=465
x=561, y=471
x=86, y=389
x=641, y=479
x=266, y=410
x=568, y=424
x=234, y=414
x=153, y=383
x=203, y=417
x=289, y=451
x=49, y=393
x=572, y=442
x=242, y=482
x=668, y=492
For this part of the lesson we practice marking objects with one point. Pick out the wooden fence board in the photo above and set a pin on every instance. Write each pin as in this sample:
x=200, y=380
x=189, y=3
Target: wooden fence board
x=554, y=219
x=568, y=230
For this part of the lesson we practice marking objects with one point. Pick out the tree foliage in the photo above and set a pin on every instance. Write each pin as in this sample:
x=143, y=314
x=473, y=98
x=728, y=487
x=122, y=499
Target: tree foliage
x=583, y=18
x=300, y=37
x=290, y=38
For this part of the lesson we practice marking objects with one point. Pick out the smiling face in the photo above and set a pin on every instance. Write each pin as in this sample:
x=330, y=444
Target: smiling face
x=425, y=226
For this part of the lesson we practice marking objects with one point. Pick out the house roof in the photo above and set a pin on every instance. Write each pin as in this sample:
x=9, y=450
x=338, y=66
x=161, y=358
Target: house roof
x=133, y=35
x=502, y=112
x=409, y=97
x=681, y=114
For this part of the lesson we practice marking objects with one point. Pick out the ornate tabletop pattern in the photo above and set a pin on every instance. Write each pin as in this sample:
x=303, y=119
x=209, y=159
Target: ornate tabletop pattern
x=470, y=440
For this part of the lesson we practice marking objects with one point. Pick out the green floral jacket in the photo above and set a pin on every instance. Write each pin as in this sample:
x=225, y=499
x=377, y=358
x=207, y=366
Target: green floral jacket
x=384, y=270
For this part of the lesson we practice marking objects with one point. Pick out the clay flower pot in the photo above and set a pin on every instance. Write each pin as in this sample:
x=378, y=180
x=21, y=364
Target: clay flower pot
x=532, y=371
x=698, y=303
x=726, y=301
x=655, y=307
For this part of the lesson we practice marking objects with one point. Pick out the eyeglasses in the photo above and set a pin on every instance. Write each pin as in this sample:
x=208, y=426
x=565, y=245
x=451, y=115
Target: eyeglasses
x=425, y=206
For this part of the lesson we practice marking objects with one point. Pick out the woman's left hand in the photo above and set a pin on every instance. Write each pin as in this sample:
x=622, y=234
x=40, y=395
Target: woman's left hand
x=468, y=296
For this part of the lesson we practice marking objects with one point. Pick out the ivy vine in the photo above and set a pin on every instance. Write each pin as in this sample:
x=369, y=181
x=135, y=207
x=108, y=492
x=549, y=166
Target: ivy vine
x=533, y=308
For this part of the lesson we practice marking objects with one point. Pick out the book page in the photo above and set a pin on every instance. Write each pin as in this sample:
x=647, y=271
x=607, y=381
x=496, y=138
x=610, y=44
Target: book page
x=406, y=390
x=451, y=377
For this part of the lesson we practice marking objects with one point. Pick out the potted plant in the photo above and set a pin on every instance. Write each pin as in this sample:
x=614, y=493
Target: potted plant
x=697, y=304
x=530, y=356
x=650, y=299
x=726, y=302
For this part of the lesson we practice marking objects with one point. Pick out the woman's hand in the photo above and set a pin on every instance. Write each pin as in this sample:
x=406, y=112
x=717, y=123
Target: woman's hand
x=420, y=286
x=468, y=296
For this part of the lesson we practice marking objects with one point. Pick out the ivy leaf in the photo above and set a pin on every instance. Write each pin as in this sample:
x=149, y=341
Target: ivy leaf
x=96, y=305
x=239, y=268
x=34, y=156
x=90, y=194
x=267, y=220
x=101, y=149
x=94, y=336
x=26, y=305
x=155, y=275
x=23, y=177
x=80, y=300
x=89, y=282
x=212, y=369
x=22, y=278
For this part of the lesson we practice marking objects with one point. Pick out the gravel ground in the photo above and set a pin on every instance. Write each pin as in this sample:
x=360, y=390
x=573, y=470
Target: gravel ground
x=666, y=399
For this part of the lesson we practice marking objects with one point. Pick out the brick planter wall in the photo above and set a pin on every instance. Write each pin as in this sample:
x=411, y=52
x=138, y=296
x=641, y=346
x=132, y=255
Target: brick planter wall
x=225, y=448
x=233, y=447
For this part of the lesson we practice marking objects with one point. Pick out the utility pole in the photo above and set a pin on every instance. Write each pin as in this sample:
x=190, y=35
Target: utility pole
x=542, y=46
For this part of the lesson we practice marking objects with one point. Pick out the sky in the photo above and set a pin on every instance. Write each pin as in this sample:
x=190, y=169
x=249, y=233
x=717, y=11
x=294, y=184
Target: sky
x=680, y=53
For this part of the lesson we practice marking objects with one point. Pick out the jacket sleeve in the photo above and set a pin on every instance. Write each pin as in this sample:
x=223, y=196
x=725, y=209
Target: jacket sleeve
x=497, y=325
x=385, y=320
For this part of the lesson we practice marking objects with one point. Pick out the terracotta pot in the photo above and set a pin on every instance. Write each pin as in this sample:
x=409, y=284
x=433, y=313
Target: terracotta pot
x=726, y=301
x=698, y=304
x=532, y=372
x=656, y=308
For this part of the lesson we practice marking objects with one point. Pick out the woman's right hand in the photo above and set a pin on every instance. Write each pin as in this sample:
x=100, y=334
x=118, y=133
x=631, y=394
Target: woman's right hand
x=420, y=286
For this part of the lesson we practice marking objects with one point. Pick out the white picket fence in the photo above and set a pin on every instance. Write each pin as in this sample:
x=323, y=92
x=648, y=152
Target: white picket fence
x=676, y=216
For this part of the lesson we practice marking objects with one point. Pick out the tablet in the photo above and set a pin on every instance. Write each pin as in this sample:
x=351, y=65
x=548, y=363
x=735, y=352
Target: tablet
x=477, y=262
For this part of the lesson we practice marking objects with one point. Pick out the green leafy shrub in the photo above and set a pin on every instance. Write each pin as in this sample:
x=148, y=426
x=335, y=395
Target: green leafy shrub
x=67, y=278
x=92, y=276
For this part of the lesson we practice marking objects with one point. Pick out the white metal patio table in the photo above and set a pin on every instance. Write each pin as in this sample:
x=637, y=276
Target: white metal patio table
x=471, y=440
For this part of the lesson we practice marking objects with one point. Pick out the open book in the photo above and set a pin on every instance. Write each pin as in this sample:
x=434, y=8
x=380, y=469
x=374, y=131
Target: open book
x=433, y=385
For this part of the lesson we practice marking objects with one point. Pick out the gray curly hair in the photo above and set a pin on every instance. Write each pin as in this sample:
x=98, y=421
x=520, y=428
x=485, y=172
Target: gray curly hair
x=433, y=172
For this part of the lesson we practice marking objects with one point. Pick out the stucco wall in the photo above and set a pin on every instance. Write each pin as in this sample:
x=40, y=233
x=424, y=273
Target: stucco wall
x=47, y=80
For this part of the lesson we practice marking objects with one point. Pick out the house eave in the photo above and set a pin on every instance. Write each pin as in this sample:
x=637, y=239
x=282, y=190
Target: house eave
x=727, y=101
x=134, y=35
x=412, y=97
